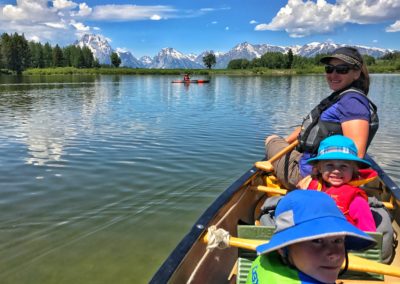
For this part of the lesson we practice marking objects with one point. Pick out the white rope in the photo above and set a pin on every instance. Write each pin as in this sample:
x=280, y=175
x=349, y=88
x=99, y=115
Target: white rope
x=217, y=238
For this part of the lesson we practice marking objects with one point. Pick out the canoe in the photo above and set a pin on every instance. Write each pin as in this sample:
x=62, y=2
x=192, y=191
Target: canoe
x=192, y=262
x=191, y=81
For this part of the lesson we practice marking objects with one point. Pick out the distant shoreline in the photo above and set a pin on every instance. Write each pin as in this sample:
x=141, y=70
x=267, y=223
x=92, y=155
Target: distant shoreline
x=193, y=72
x=180, y=72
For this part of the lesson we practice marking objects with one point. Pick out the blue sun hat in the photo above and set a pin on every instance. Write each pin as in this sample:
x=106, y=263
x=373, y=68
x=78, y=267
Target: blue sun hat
x=304, y=215
x=338, y=147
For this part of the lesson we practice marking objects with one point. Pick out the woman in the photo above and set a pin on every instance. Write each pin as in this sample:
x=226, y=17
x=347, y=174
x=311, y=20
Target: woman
x=309, y=244
x=346, y=111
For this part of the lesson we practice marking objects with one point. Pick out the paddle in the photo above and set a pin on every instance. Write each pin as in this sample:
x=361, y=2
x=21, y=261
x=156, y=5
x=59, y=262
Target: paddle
x=267, y=165
x=356, y=263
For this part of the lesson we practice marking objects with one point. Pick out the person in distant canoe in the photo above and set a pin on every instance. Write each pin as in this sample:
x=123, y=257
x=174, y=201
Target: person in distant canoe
x=347, y=111
x=186, y=77
x=339, y=172
x=309, y=244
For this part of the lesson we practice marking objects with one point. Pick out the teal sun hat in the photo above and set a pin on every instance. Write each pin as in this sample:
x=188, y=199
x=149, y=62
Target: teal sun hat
x=304, y=215
x=338, y=147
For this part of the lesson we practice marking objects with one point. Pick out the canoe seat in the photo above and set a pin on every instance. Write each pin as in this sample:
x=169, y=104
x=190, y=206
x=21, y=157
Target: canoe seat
x=246, y=257
x=374, y=253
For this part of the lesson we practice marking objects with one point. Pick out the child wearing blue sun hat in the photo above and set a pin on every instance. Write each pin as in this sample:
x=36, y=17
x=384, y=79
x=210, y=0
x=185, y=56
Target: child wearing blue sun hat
x=310, y=242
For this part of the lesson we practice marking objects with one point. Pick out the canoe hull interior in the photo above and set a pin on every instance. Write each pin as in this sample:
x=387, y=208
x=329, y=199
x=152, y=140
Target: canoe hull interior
x=191, y=262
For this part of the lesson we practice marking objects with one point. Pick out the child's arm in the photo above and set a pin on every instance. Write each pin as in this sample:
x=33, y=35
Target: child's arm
x=360, y=212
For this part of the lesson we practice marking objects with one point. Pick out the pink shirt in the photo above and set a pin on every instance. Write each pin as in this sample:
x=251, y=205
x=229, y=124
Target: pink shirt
x=361, y=213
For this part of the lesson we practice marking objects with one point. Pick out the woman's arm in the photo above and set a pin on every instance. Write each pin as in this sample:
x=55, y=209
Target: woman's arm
x=293, y=136
x=358, y=131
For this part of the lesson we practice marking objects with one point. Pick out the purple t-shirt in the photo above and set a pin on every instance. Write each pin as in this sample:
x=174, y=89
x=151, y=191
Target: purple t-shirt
x=351, y=105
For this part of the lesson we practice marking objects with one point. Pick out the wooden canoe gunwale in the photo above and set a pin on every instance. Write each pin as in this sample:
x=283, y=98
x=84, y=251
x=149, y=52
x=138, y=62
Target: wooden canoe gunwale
x=164, y=273
x=387, y=180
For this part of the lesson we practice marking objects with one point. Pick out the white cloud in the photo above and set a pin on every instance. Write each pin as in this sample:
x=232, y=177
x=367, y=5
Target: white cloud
x=34, y=38
x=84, y=10
x=64, y=4
x=214, y=22
x=227, y=28
x=155, y=18
x=299, y=18
x=131, y=12
x=58, y=25
x=28, y=10
x=253, y=22
x=79, y=26
x=394, y=28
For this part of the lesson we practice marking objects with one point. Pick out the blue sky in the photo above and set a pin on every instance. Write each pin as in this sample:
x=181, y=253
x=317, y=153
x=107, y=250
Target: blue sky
x=144, y=27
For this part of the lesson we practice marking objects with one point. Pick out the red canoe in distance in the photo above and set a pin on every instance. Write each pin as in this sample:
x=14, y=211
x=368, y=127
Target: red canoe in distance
x=191, y=81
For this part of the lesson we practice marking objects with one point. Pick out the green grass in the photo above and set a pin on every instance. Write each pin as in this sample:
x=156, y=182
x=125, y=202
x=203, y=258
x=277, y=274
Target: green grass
x=379, y=68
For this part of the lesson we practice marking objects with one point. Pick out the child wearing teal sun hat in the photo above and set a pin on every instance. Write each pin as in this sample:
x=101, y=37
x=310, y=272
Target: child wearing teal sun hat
x=339, y=172
x=309, y=244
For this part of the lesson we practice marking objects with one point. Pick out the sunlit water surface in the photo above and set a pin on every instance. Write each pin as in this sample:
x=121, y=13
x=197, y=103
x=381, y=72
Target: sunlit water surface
x=100, y=177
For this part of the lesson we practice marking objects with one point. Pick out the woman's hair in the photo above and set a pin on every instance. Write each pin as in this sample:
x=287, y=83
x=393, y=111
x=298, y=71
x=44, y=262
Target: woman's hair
x=363, y=81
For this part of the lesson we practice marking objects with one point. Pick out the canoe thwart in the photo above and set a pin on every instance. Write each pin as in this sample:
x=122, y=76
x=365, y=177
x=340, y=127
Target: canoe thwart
x=270, y=190
x=356, y=263
x=220, y=238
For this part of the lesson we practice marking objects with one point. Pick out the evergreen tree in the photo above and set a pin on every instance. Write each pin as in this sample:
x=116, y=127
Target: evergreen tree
x=15, y=52
x=5, y=49
x=47, y=55
x=87, y=57
x=57, y=55
x=67, y=53
x=78, y=60
x=290, y=59
x=115, y=60
x=96, y=63
x=36, y=49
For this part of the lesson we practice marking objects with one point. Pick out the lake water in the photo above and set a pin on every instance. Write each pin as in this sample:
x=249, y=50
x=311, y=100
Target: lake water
x=101, y=176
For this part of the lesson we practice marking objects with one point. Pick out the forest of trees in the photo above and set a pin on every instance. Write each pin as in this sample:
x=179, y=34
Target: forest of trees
x=278, y=60
x=18, y=54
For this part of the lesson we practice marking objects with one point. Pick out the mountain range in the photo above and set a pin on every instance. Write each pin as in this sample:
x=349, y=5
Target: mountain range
x=169, y=58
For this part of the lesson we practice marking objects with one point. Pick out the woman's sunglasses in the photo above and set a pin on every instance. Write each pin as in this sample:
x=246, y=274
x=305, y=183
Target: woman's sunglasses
x=340, y=69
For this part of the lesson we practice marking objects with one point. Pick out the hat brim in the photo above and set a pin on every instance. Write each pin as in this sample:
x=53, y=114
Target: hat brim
x=327, y=59
x=355, y=239
x=340, y=156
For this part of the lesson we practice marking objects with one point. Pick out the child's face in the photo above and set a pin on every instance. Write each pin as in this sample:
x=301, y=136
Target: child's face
x=336, y=172
x=320, y=258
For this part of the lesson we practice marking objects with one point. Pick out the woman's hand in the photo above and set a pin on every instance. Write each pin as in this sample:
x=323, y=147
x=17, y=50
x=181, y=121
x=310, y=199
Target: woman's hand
x=293, y=136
